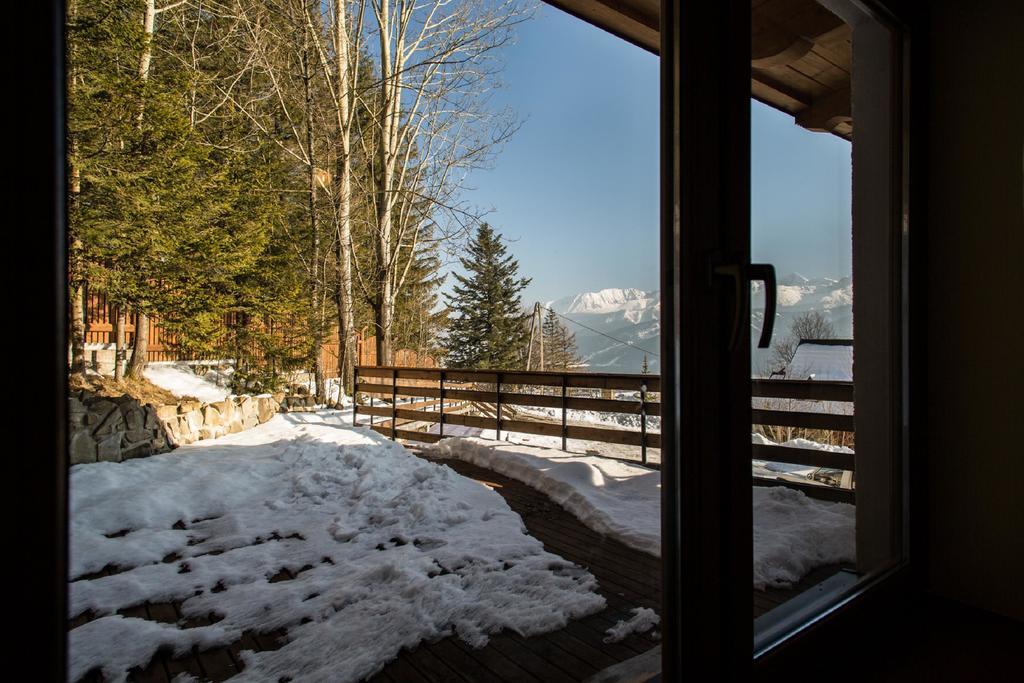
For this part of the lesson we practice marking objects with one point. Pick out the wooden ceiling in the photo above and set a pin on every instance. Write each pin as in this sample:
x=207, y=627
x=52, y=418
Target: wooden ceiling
x=800, y=53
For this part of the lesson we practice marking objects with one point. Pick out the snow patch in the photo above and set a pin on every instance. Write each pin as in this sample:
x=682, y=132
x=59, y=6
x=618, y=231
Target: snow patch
x=642, y=621
x=792, y=533
x=387, y=551
x=181, y=380
x=789, y=295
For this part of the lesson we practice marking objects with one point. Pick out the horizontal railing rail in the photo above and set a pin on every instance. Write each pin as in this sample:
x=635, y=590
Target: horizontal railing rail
x=825, y=406
x=500, y=391
x=412, y=400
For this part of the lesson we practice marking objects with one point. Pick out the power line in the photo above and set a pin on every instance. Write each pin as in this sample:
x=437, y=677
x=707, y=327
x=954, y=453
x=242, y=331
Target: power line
x=588, y=327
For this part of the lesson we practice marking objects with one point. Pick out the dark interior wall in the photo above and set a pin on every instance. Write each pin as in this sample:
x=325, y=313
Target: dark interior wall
x=975, y=304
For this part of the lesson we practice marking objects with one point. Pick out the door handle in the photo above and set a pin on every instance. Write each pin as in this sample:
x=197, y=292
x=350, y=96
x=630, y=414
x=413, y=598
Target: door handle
x=741, y=277
x=765, y=272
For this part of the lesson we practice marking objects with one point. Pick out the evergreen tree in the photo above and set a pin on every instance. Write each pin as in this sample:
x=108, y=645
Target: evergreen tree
x=487, y=329
x=560, y=351
x=419, y=320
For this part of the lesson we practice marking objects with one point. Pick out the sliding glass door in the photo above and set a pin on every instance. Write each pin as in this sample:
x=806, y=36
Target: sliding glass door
x=783, y=238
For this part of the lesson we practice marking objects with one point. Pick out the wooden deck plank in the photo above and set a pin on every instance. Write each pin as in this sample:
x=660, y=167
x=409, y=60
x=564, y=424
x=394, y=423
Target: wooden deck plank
x=527, y=654
x=500, y=666
x=627, y=579
x=431, y=667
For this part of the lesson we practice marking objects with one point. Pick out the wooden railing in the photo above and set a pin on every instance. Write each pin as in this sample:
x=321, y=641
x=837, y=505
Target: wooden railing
x=436, y=396
x=501, y=392
x=811, y=405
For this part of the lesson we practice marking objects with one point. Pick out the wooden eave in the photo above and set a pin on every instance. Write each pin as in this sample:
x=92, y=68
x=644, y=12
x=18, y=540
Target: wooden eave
x=800, y=53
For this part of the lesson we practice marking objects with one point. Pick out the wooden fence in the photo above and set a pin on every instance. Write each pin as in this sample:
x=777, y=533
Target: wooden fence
x=101, y=314
x=439, y=396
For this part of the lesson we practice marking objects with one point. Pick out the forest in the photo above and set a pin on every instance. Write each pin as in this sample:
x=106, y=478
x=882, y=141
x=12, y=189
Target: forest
x=263, y=175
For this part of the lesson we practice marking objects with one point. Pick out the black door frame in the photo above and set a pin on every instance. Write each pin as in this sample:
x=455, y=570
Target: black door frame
x=705, y=223
x=706, y=504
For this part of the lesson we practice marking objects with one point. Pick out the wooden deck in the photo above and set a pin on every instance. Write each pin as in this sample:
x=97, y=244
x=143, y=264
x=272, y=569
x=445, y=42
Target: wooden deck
x=627, y=578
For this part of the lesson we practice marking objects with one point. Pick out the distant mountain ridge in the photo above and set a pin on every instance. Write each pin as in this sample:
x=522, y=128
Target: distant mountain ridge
x=626, y=322
x=630, y=315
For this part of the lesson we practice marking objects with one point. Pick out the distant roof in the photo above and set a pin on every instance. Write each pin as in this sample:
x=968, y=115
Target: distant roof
x=800, y=53
x=823, y=360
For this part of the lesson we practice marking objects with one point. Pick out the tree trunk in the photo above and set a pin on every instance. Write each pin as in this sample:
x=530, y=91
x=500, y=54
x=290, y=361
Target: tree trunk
x=343, y=254
x=316, y=288
x=119, y=351
x=77, y=324
x=75, y=265
x=140, y=347
x=386, y=155
x=382, y=321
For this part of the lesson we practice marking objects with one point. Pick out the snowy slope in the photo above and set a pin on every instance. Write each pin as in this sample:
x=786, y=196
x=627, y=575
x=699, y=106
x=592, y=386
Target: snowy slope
x=181, y=380
x=632, y=315
x=388, y=550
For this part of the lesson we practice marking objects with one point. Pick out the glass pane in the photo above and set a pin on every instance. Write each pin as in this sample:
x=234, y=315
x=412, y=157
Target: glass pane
x=816, y=215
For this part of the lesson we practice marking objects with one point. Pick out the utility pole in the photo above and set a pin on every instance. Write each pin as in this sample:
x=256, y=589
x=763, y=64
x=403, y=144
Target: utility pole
x=536, y=325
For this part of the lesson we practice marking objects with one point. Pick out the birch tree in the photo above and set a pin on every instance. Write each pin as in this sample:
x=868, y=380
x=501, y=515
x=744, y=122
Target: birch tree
x=140, y=344
x=432, y=125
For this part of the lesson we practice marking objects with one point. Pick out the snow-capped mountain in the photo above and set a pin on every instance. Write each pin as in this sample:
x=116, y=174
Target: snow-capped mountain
x=634, y=317
x=629, y=315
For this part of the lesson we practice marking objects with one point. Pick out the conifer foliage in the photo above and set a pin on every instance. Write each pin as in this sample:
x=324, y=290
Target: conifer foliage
x=560, y=351
x=486, y=327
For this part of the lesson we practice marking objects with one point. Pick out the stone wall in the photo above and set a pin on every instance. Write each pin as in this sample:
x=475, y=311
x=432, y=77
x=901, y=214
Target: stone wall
x=116, y=429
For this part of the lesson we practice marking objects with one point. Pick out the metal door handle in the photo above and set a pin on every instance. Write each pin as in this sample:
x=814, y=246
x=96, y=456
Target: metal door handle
x=765, y=272
x=741, y=277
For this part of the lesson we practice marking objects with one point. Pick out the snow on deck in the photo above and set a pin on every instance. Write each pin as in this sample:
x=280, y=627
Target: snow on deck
x=387, y=550
x=793, y=534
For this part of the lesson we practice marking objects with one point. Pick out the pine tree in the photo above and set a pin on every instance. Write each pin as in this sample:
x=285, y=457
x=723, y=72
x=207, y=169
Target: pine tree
x=487, y=328
x=559, y=345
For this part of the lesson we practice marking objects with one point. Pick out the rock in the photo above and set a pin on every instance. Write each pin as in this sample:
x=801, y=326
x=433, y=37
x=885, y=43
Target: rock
x=212, y=417
x=151, y=419
x=235, y=425
x=111, y=423
x=247, y=406
x=266, y=408
x=159, y=442
x=109, y=448
x=76, y=412
x=98, y=410
x=279, y=397
x=207, y=432
x=189, y=406
x=194, y=420
x=226, y=408
x=133, y=415
x=137, y=435
x=168, y=412
x=310, y=401
x=82, y=447
x=141, y=449
x=250, y=421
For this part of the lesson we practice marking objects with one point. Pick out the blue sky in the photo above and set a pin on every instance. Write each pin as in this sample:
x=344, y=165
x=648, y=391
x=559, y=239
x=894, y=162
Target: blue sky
x=575, y=191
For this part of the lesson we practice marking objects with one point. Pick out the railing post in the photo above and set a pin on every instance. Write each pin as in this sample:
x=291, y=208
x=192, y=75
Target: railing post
x=643, y=423
x=355, y=392
x=565, y=428
x=394, y=403
x=497, y=403
x=441, y=427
